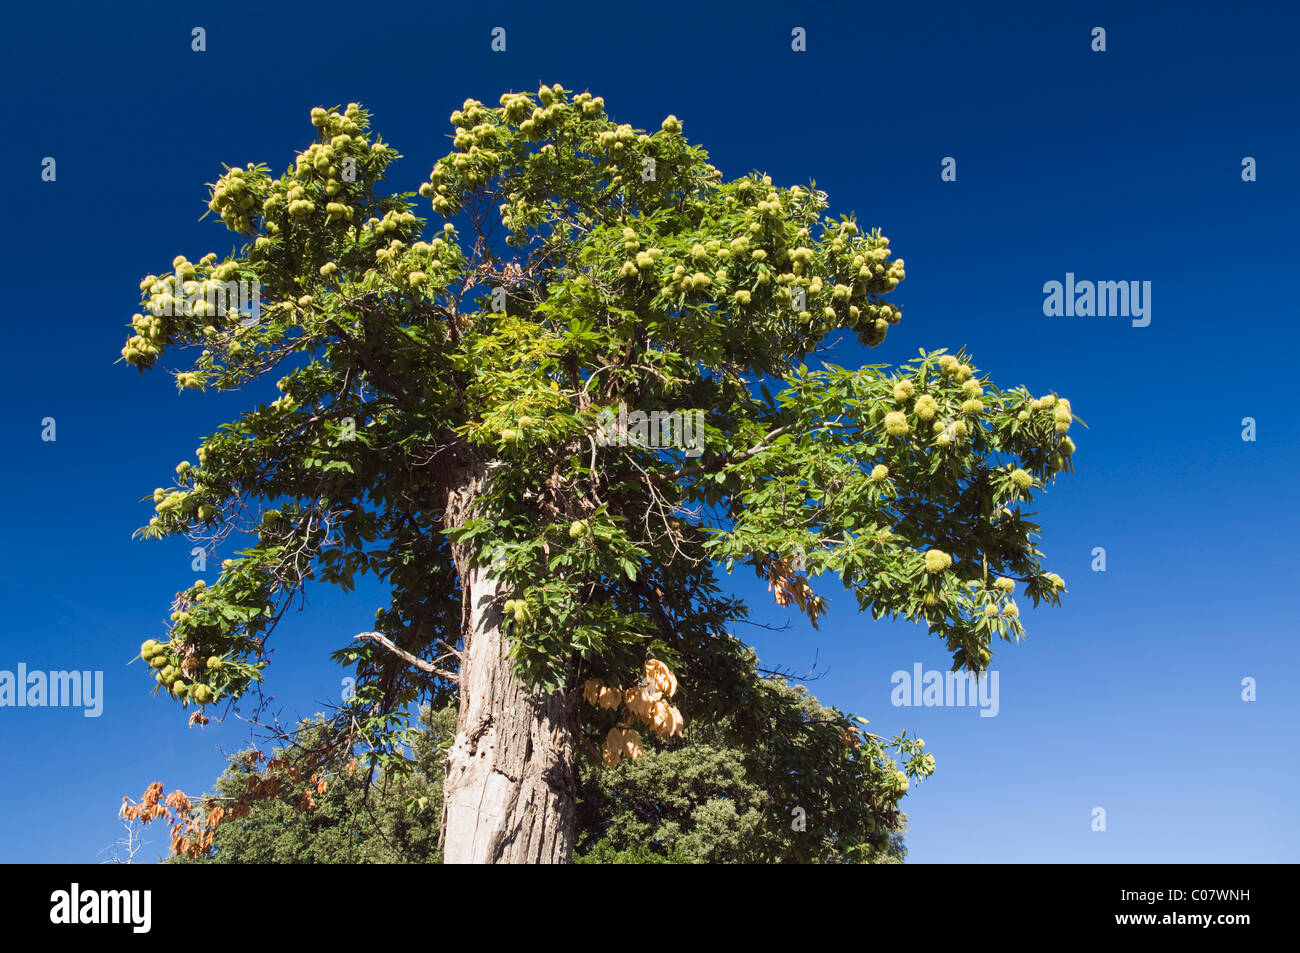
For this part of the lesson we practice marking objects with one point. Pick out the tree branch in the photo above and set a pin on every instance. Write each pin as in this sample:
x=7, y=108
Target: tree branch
x=719, y=464
x=405, y=656
x=369, y=362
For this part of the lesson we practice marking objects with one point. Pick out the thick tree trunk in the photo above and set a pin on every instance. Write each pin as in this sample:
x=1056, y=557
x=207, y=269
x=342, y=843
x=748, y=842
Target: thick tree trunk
x=509, y=793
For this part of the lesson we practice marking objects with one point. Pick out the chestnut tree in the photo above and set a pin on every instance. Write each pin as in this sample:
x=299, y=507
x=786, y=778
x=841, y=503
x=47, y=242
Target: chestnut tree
x=442, y=384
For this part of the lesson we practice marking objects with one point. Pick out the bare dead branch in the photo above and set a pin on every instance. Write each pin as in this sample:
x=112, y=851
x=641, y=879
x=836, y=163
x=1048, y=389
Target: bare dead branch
x=407, y=657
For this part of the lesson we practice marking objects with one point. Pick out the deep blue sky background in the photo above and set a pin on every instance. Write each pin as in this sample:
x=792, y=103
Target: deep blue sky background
x=1117, y=165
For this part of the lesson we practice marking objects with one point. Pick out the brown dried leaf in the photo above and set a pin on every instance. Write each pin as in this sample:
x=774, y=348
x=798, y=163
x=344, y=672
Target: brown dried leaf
x=661, y=677
x=612, y=752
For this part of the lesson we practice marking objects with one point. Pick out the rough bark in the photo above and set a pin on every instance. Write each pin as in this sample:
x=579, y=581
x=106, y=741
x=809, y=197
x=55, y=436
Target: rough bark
x=509, y=794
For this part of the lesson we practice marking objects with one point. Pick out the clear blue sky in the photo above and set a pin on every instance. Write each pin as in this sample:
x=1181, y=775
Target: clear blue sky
x=1122, y=165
